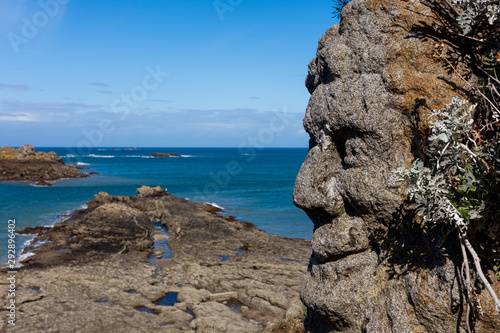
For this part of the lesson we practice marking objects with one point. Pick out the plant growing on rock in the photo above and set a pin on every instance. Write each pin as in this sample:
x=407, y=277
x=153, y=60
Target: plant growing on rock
x=291, y=324
x=471, y=30
x=459, y=181
x=477, y=12
x=459, y=186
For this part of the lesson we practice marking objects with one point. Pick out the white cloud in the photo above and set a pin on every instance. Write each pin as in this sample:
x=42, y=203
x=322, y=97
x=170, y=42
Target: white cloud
x=46, y=111
x=22, y=117
x=66, y=124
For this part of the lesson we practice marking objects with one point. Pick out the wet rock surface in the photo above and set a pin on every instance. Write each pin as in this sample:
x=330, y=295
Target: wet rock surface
x=373, y=84
x=25, y=163
x=104, y=270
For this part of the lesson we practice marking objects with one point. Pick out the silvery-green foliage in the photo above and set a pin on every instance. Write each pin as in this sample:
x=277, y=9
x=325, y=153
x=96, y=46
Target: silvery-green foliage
x=449, y=129
x=451, y=123
x=429, y=193
x=473, y=10
x=429, y=187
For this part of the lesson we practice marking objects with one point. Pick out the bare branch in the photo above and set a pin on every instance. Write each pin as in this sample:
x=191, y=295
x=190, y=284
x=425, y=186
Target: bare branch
x=452, y=8
x=488, y=74
x=467, y=282
x=464, y=147
x=495, y=114
x=479, y=271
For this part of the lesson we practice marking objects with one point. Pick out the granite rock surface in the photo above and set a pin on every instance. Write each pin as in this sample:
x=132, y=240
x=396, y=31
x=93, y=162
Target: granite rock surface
x=373, y=84
x=107, y=268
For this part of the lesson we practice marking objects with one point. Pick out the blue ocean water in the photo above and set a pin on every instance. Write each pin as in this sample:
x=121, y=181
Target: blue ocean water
x=252, y=185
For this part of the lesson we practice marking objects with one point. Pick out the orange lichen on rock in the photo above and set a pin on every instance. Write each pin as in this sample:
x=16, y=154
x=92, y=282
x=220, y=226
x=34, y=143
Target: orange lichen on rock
x=25, y=163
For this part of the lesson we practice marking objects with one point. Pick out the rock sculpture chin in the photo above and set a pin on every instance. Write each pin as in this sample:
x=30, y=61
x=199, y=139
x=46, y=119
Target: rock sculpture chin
x=373, y=84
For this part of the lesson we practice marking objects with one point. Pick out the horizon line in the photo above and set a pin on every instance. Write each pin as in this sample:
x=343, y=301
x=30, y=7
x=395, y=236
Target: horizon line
x=170, y=147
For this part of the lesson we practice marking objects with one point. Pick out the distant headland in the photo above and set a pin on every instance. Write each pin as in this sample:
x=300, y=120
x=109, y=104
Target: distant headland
x=25, y=164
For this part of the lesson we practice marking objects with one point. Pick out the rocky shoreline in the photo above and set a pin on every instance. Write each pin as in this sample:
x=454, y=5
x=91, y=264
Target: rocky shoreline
x=156, y=263
x=25, y=164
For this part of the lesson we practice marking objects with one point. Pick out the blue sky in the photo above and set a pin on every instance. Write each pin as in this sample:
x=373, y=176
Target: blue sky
x=190, y=73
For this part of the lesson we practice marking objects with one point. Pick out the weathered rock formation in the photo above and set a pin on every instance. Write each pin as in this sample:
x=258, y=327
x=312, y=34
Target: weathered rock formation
x=92, y=274
x=373, y=269
x=25, y=163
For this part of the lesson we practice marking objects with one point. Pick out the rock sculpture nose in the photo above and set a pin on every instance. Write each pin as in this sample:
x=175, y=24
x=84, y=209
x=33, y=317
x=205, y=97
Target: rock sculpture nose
x=316, y=188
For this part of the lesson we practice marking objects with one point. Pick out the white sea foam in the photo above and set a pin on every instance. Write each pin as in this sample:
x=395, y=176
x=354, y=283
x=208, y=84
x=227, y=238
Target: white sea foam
x=25, y=255
x=60, y=218
x=35, y=184
x=81, y=163
x=187, y=156
x=28, y=242
x=69, y=156
x=40, y=243
x=101, y=156
x=215, y=205
x=66, y=215
x=138, y=156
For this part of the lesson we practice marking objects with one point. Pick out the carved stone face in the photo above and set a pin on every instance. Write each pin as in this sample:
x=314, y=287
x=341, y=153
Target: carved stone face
x=344, y=185
x=369, y=85
x=357, y=137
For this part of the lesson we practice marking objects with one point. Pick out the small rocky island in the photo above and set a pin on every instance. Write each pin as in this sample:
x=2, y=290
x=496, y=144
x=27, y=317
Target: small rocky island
x=165, y=155
x=25, y=163
x=156, y=263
